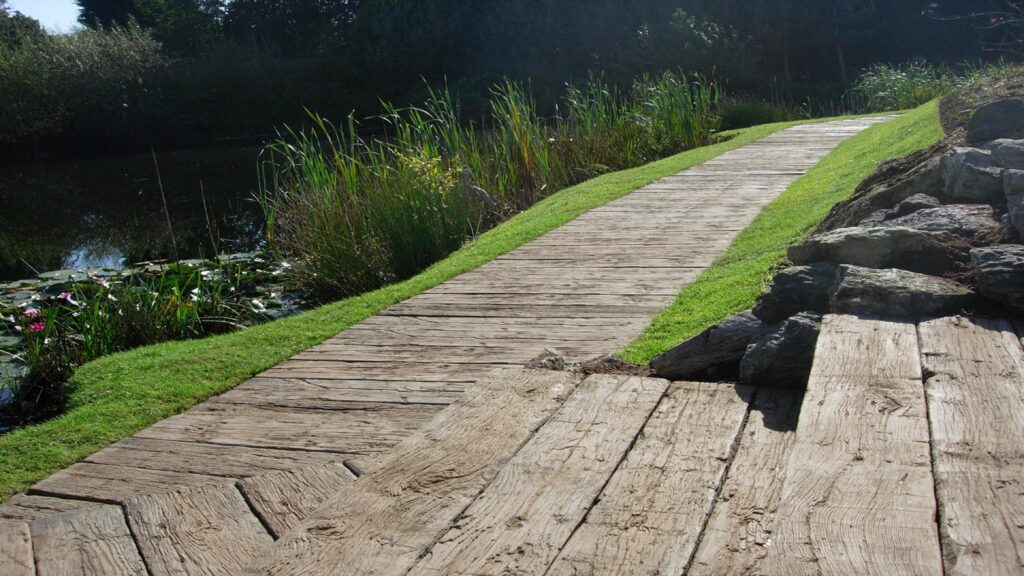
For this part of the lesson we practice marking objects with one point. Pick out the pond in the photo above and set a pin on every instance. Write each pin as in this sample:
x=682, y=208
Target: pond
x=109, y=212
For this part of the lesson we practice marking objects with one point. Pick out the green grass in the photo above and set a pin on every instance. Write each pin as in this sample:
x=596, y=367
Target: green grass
x=118, y=395
x=733, y=283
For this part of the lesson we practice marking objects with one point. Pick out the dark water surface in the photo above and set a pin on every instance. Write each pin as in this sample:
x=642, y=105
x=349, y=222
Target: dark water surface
x=109, y=211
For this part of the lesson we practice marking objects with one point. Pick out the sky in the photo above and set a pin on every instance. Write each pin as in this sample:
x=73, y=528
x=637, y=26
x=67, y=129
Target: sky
x=55, y=15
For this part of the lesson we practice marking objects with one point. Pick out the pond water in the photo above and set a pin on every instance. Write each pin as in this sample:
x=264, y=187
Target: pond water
x=109, y=211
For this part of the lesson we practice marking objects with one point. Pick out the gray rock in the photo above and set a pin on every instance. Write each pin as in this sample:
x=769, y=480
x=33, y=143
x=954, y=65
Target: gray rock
x=1008, y=153
x=797, y=289
x=716, y=352
x=975, y=224
x=1000, y=119
x=875, y=218
x=782, y=358
x=913, y=204
x=893, y=292
x=972, y=174
x=1013, y=186
x=887, y=247
x=1001, y=273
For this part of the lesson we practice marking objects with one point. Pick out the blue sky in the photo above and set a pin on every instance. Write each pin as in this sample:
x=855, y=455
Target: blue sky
x=56, y=15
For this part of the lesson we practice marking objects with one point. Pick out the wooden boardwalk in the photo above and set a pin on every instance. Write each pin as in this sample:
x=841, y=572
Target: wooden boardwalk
x=259, y=459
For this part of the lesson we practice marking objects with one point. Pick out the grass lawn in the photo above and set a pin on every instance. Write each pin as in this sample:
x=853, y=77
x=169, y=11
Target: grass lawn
x=116, y=396
x=734, y=281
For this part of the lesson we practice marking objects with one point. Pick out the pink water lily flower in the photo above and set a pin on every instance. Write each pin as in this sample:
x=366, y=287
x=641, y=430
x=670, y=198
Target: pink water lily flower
x=102, y=282
x=31, y=313
x=37, y=326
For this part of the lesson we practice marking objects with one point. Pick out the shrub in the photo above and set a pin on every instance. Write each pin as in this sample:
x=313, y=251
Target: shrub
x=887, y=87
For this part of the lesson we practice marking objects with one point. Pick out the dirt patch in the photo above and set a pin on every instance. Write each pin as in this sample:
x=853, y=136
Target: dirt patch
x=552, y=359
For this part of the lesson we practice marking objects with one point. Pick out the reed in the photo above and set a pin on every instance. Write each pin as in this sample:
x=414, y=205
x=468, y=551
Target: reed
x=355, y=214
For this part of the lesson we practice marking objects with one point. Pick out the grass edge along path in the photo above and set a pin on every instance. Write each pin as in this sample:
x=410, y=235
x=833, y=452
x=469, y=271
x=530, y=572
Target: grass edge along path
x=734, y=281
x=116, y=396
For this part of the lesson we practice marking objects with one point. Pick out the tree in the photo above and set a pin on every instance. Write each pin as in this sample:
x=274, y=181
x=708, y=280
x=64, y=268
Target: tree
x=184, y=27
x=295, y=27
x=16, y=29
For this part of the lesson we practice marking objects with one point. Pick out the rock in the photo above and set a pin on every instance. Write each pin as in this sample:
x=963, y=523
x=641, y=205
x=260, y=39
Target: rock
x=1009, y=154
x=975, y=224
x=893, y=292
x=874, y=219
x=1013, y=187
x=1001, y=273
x=716, y=352
x=891, y=184
x=549, y=359
x=971, y=174
x=797, y=289
x=1000, y=119
x=888, y=247
x=783, y=357
x=913, y=204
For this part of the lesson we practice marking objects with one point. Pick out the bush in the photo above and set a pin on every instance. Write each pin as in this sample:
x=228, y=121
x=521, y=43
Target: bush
x=887, y=87
x=745, y=112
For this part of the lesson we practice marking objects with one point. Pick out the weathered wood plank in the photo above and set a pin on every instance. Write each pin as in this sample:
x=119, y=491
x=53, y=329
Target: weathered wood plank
x=520, y=521
x=651, y=514
x=284, y=499
x=16, y=549
x=976, y=404
x=25, y=508
x=389, y=516
x=308, y=369
x=858, y=496
x=206, y=530
x=92, y=542
x=742, y=523
x=348, y=431
x=470, y=310
x=297, y=393
x=112, y=484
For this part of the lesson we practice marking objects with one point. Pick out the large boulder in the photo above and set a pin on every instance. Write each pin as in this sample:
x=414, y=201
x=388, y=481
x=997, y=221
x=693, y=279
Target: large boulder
x=971, y=174
x=712, y=354
x=1009, y=154
x=783, y=356
x=892, y=183
x=1013, y=186
x=797, y=289
x=1000, y=119
x=887, y=247
x=869, y=292
x=913, y=204
x=975, y=224
x=1001, y=273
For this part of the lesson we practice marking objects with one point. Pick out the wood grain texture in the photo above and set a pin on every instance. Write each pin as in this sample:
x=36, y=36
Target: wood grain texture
x=207, y=530
x=742, y=524
x=113, y=484
x=976, y=404
x=523, y=518
x=16, y=549
x=91, y=542
x=858, y=496
x=649, y=517
x=26, y=508
x=284, y=499
x=387, y=518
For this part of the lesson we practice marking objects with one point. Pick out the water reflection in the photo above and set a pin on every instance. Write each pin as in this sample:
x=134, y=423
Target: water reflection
x=108, y=212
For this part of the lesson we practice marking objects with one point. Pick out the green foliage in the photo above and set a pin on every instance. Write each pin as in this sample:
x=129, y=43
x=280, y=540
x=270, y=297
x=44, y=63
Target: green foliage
x=734, y=282
x=97, y=82
x=17, y=29
x=354, y=215
x=907, y=86
x=118, y=395
x=744, y=112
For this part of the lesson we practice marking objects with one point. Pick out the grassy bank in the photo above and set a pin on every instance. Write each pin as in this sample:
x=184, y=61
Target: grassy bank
x=736, y=279
x=118, y=395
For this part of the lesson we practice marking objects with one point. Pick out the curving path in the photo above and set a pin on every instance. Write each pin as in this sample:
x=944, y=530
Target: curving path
x=266, y=453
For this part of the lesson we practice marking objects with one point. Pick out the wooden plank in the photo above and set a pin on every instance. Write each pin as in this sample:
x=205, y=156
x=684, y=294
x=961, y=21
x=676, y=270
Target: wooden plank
x=347, y=432
x=858, y=496
x=284, y=499
x=25, y=508
x=514, y=311
x=651, y=514
x=16, y=549
x=521, y=520
x=976, y=404
x=112, y=484
x=450, y=354
x=206, y=530
x=298, y=393
x=390, y=515
x=92, y=542
x=206, y=459
x=376, y=371
x=742, y=522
